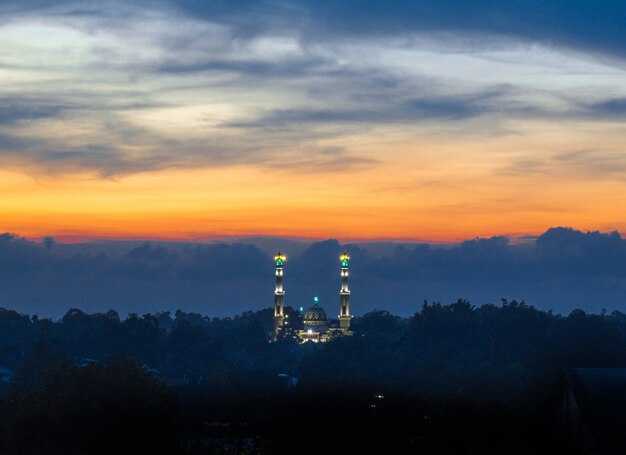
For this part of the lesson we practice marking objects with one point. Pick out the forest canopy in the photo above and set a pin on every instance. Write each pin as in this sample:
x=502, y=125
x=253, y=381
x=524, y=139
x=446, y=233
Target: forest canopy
x=451, y=376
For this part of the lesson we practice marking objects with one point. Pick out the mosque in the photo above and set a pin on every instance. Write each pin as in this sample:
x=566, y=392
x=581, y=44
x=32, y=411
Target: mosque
x=317, y=327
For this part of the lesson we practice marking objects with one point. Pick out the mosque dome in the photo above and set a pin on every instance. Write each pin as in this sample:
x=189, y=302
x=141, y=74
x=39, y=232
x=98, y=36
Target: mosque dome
x=315, y=315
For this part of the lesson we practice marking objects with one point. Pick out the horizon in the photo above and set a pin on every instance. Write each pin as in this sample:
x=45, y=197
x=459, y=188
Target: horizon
x=560, y=270
x=172, y=312
x=515, y=237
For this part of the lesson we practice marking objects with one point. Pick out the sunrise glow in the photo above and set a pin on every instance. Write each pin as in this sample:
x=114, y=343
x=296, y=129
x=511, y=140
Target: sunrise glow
x=196, y=133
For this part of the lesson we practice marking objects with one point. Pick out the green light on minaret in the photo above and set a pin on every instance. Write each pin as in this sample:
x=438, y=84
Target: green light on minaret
x=316, y=299
x=279, y=258
x=344, y=259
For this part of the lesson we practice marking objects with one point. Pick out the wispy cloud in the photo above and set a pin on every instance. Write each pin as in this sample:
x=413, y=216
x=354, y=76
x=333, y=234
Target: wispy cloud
x=614, y=108
x=588, y=164
x=115, y=88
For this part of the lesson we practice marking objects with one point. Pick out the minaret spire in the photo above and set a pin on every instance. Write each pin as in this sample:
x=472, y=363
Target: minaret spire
x=344, y=295
x=279, y=294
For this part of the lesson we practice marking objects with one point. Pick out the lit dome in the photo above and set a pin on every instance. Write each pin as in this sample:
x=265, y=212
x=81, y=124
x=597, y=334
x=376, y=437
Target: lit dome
x=315, y=314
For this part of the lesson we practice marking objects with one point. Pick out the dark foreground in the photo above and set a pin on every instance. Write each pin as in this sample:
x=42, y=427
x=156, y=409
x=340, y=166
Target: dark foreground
x=450, y=379
x=119, y=407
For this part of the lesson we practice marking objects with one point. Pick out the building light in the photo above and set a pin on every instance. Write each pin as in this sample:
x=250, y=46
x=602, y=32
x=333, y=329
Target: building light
x=310, y=332
x=280, y=258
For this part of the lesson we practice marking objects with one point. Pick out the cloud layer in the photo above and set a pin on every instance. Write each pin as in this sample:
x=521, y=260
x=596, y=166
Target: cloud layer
x=561, y=270
x=117, y=88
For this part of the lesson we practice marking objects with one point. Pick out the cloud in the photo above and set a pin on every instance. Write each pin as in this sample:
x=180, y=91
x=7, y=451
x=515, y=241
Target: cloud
x=612, y=109
x=406, y=111
x=578, y=24
x=217, y=279
x=560, y=270
x=575, y=23
x=259, y=69
x=45, y=156
x=220, y=83
x=588, y=164
x=14, y=109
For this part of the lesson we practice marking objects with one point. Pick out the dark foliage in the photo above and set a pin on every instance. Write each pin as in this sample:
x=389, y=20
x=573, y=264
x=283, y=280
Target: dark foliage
x=452, y=378
x=59, y=408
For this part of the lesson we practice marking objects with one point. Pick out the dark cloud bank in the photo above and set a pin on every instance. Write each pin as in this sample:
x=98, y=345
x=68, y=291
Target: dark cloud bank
x=561, y=270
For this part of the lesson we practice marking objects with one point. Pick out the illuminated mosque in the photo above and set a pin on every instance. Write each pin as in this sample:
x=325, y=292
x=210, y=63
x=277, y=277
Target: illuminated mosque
x=316, y=325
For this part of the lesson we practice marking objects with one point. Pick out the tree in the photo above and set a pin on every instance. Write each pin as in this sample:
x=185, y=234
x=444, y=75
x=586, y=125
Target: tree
x=116, y=407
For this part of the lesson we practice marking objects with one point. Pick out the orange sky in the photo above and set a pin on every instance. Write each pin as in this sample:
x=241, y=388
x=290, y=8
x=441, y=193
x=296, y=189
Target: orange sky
x=442, y=189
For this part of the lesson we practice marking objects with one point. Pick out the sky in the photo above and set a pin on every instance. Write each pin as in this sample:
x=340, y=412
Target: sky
x=429, y=121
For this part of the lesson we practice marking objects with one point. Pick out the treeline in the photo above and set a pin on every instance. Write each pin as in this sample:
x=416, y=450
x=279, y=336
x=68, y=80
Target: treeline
x=450, y=374
x=488, y=351
x=508, y=352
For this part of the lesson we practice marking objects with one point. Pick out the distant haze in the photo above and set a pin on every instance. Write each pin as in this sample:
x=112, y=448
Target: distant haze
x=560, y=270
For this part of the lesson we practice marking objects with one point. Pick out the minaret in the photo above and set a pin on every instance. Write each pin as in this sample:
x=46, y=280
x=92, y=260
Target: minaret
x=344, y=295
x=279, y=295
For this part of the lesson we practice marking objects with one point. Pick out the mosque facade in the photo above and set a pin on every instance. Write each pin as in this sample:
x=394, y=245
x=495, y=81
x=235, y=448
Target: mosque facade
x=316, y=326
